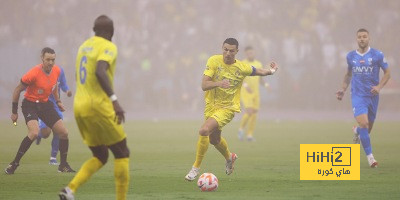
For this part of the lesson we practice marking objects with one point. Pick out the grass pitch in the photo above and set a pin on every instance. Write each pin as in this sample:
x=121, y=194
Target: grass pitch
x=163, y=152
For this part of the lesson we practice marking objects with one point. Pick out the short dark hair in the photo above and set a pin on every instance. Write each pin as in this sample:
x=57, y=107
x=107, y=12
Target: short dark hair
x=231, y=41
x=47, y=50
x=248, y=48
x=103, y=24
x=362, y=30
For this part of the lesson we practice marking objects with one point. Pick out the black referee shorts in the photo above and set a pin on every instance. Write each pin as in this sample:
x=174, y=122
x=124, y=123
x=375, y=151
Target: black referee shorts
x=44, y=111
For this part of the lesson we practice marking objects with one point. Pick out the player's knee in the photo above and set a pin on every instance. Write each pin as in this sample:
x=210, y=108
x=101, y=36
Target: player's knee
x=120, y=150
x=33, y=135
x=364, y=124
x=45, y=133
x=101, y=154
x=103, y=158
x=204, y=131
x=63, y=133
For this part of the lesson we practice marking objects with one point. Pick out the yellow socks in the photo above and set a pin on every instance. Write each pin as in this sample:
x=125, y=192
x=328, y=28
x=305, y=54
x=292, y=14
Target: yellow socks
x=244, y=120
x=87, y=170
x=252, y=125
x=121, y=174
x=222, y=147
x=202, y=146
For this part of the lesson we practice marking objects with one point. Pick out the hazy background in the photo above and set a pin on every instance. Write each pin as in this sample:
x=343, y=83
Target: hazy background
x=164, y=45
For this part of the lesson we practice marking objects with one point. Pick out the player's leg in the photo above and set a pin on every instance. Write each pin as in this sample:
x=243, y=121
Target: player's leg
x=363, y=130
x=55, y=142
x=31, y=119
x=221, y=145
x=121, y=168
x=50, y=117
x=252, y=125
x=62, y=132
x=372, y=111
x=206, y=129
x=362, y=114
x=33, y=130
x=42, y=128
x=209, y=126
x=223, y=117
x=243, y=123
x=54, y=149
x=99, y=159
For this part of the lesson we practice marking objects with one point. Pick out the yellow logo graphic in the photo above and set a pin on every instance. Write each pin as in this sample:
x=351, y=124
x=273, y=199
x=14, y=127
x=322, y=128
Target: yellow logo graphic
x=329, y=162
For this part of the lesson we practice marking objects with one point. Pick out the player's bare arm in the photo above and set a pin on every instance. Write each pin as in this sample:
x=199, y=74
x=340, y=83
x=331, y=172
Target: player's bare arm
x=345, y=85
x=386, y=76
x=208, y=84
x=15, y=99
x=58, y=100
x=273, y=67
x=101, y=74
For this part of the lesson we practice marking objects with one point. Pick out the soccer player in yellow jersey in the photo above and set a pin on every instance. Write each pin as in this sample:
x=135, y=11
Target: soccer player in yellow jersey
x=250, y=96
x=222, y=81
x=97, y=111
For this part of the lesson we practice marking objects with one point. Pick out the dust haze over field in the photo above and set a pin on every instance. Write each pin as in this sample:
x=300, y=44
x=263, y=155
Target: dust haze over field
x=164, y=46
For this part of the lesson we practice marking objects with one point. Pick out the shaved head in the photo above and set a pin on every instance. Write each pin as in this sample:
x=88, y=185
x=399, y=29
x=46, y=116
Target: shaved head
x=104, y=27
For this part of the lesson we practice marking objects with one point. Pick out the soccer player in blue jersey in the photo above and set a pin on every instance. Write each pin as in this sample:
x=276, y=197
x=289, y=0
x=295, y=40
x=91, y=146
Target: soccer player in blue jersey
x=44, y=129
x=363, y=69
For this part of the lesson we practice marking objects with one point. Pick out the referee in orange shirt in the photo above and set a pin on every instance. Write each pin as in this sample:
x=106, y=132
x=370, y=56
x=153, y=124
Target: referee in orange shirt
x=40, y=82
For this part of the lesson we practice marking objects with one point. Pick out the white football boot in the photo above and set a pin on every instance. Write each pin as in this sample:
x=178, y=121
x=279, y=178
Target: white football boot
x=229, y=164
x=193, y=173
x=66, y=194
x=371, y=161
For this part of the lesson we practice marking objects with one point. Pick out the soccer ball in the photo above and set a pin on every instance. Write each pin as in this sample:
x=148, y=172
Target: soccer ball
x=207, y=182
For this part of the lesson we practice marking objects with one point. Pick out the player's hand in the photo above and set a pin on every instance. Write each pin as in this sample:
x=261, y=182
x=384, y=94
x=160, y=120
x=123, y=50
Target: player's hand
x=375, y=90
x=14, y=118
x=224, y=84
x=119, y=113
x=274, y=67
x=339, y=95
x=61, y=106
x=69, y=93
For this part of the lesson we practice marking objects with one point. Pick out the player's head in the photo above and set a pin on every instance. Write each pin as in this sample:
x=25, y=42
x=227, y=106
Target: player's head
x=48, y=56
x=250, y=54
x=103, y=27
x=363, y=38
x=230, y=48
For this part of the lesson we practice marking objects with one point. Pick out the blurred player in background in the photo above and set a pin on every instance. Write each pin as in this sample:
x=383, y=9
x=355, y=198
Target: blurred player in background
x=45, y=131
x=250, y=96
x=222, y=81
x=40, y=82
x=364, y=65
x=97, y=111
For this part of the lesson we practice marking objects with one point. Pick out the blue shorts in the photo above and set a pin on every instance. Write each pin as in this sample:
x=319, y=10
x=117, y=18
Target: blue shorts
x=42, y=124
x=365, y=105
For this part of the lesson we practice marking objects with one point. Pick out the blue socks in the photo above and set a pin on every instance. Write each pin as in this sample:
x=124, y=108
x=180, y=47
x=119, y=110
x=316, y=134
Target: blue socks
x=54, y=145
x=365, y=141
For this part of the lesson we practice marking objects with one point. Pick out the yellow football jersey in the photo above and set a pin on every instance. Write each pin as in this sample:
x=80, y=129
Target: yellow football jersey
x=226, y=98
x=88, y=88
x=252, y=81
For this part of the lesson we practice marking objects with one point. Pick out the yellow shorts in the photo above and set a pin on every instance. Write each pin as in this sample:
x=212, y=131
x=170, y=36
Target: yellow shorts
x=221, y=115
x=252, y=101
x=97, y=125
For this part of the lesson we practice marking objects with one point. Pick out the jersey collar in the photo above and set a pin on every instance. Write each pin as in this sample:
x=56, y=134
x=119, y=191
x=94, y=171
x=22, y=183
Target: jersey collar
x=362, y=54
